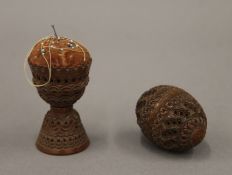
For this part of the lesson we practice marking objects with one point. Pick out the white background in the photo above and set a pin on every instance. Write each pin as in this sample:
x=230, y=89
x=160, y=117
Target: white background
x=135, y=45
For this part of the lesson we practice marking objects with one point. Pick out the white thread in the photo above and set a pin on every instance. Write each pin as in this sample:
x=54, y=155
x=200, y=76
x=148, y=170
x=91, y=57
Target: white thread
x=82, y=51
x=49, y=64
x=78, y=45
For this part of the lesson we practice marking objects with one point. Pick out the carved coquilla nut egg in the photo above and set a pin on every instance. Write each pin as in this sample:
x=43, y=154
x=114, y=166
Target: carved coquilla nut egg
x=171, y=118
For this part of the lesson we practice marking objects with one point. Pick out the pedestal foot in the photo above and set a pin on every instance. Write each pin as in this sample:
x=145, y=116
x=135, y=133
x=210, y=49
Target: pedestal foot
x=62, y=132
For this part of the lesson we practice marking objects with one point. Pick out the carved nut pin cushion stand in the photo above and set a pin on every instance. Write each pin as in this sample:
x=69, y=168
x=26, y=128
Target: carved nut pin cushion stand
x=60, y=69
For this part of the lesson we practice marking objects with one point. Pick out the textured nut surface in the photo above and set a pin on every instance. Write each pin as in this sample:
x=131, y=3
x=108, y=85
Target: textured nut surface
x=171, y=118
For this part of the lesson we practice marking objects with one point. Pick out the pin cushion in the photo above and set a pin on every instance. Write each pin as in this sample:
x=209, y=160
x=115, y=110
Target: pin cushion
x=60, y=69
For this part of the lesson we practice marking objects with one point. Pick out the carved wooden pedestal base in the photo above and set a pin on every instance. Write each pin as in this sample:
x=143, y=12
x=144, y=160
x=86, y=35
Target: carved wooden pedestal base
x=62, y=132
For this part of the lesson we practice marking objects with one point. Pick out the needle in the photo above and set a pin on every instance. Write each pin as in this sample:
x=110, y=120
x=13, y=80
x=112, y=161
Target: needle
x=53, y=26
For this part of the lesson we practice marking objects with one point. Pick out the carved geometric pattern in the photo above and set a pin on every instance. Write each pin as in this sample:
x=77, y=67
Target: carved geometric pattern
x=63, y=94
x=62, y=130
x=171, y=118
